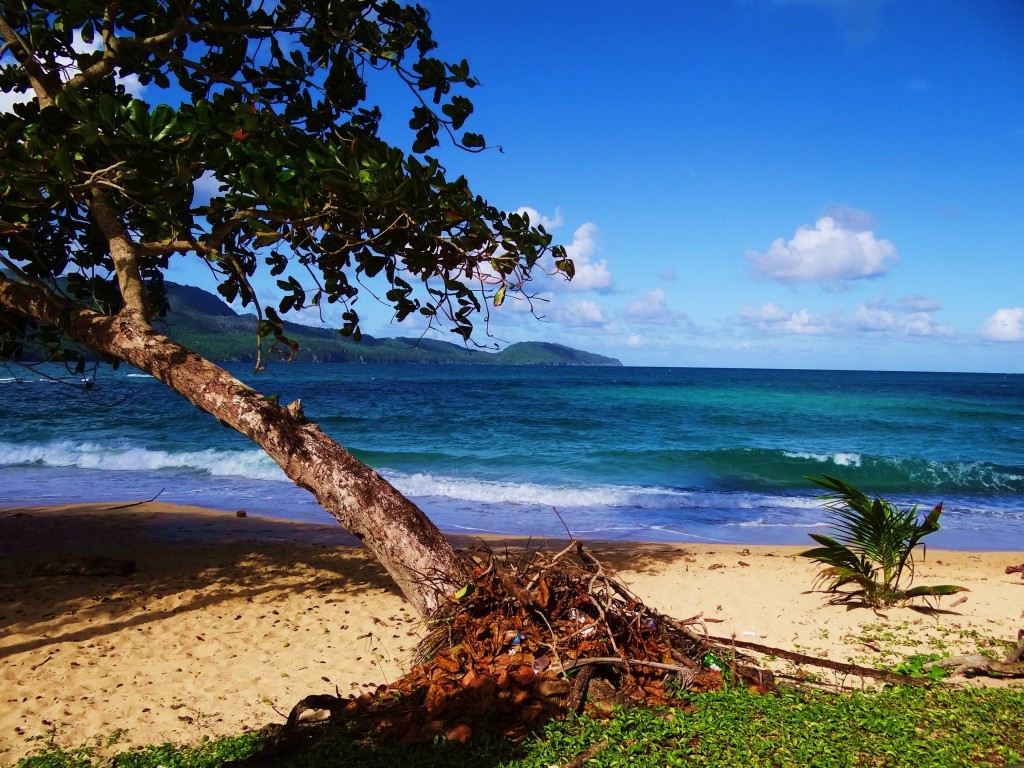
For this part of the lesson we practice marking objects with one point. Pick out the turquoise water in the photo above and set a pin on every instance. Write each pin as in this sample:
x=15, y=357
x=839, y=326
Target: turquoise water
x=651, y=454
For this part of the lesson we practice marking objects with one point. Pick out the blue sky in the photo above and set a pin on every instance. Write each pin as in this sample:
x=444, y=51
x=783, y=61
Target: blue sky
x=752, y=183
x=797, y=183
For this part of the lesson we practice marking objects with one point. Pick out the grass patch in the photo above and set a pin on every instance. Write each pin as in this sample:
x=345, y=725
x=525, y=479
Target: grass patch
x=209, y=754
x=924, y=728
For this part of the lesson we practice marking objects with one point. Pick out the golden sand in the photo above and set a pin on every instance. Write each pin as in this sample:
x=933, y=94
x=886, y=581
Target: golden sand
x=227, y=622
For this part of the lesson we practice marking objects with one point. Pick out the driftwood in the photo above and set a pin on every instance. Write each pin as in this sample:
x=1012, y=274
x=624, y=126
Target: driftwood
x=814, y=661
x=977, y=664
x=136, y=503
x=1016, y=569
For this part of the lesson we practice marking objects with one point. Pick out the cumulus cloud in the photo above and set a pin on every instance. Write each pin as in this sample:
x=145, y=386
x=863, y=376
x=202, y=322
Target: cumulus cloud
x=771, y=318
x=580, y=313
x=590, y=275
x=1004, y=325
x=848, y=217
x=909, y=316
x=915, y=303
x=651, y=309
x=538, y=219
x=828, y=253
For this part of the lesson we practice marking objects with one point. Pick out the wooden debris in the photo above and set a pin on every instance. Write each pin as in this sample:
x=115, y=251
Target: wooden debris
x=525, y=641
x=976, y=664
x=814, y=661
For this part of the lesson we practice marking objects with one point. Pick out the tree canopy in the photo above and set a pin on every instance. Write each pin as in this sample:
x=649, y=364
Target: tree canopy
x=267, y=105
x=255, y=147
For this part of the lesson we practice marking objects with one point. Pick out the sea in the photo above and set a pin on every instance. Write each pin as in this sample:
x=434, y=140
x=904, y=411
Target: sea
x=673, y=455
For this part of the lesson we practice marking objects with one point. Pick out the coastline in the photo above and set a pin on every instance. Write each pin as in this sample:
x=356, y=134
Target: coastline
x=227, y=621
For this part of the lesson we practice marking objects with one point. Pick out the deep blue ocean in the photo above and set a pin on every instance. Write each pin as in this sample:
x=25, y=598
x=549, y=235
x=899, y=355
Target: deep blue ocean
x=682, y=455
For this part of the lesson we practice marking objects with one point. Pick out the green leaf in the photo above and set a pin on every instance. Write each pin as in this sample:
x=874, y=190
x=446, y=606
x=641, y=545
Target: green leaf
x=941, y=589
x=294, y=141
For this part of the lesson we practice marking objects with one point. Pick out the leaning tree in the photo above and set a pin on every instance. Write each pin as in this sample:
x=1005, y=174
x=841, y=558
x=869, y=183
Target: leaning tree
x=265, y=107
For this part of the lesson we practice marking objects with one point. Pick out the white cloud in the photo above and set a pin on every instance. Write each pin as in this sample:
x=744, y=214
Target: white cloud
x=915, y=303
x=910, y=316
x=206, y=186
x=650, y=309
x=771, y=318
x=579, y=312
x=1004, y=325
x=848, y=217
x=130, y=82
x=538, y=219
x=635, y=340
x=873, y=318
x=829, y=253
x=8, y=100
x=590, y=275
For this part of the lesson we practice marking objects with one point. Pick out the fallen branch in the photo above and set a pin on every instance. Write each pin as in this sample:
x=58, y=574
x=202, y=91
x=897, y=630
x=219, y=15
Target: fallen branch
x=814, y=661
x=588, y=754
x=626, y=663
x=977, y=664
x=136, y=503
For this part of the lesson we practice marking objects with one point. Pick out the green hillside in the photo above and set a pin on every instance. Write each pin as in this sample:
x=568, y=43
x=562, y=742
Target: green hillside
x=204, y=323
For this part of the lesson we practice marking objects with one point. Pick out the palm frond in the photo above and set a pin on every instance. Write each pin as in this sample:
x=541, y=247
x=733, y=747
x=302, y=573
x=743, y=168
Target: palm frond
x=872, y=546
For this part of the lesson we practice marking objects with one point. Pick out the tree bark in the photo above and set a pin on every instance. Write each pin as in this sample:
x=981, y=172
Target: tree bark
x=411, y=548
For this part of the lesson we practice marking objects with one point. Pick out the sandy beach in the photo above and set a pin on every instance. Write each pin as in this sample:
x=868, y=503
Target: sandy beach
x=228, y=621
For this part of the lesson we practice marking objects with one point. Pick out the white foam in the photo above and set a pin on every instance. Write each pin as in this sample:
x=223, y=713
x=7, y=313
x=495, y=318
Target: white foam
x=840, y=458
x=254, y=464
x=497, y=492
x=760, y=523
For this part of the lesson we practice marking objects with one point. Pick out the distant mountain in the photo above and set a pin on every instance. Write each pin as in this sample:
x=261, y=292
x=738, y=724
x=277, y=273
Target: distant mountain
x=204, y=323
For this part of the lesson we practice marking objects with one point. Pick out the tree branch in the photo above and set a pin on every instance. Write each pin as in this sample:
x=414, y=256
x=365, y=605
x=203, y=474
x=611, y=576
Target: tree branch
x=46, y=85
x=122, y=251
x=36, y=300
x=112, y=45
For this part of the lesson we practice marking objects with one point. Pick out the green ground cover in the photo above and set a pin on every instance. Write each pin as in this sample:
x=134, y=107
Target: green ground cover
x=925, y=728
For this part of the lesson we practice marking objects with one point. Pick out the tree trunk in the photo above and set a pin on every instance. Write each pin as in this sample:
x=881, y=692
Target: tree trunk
x=411, y=548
